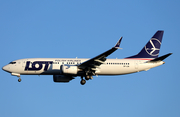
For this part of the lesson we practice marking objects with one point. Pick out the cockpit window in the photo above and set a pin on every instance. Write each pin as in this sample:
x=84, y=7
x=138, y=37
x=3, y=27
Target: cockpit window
x=12, y=63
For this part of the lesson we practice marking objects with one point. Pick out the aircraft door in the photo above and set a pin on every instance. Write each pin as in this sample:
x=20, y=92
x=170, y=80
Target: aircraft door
x=136, y=64
x=23, y=63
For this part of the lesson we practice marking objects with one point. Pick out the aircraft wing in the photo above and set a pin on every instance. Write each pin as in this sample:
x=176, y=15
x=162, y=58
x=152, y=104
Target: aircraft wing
x=100, y=59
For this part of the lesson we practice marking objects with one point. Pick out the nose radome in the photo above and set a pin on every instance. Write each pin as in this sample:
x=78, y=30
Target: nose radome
x=5, y=68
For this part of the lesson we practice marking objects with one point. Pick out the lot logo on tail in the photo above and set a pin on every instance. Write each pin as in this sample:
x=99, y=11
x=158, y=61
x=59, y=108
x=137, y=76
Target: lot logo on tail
x=153, y=47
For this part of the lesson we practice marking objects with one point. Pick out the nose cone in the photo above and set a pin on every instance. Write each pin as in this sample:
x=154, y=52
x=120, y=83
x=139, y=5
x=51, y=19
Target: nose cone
x=6, y=68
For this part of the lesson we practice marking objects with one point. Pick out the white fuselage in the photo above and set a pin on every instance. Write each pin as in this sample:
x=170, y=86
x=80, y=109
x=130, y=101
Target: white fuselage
x=52, y=66
x=65, y=69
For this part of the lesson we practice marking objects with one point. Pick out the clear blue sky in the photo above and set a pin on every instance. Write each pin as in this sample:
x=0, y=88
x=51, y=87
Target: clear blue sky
x=84, y=29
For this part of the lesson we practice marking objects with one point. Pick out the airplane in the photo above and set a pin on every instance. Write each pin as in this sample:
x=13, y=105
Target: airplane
x=66, y=69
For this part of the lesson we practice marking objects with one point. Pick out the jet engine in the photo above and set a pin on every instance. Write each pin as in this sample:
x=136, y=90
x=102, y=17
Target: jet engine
x=62, y=78
x=68, y=69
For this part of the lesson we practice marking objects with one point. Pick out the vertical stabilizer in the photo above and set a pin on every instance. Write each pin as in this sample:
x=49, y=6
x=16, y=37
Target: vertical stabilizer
x=152, y=48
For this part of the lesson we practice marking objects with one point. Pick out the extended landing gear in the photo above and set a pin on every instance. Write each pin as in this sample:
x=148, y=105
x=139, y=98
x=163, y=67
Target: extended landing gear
x=83, y=82
x=86, y=78
x=18, y=75
x=19, y=80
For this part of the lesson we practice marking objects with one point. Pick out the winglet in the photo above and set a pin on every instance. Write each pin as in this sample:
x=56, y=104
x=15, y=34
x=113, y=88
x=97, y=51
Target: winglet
x=118, y=44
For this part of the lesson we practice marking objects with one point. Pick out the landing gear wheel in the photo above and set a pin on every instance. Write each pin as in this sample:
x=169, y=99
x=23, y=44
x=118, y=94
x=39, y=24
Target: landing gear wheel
x=83, y=82
x=19, y=80
x=87, y=77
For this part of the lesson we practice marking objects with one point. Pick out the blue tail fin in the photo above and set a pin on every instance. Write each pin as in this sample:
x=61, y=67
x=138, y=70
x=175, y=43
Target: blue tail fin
x=152, y=48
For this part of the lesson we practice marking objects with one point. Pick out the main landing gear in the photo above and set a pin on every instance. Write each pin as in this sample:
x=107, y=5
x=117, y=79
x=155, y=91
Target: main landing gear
x=84, y=81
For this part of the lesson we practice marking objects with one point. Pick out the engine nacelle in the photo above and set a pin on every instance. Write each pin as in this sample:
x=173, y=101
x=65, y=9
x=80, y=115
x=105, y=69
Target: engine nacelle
x=68, y=69
x=62, y=78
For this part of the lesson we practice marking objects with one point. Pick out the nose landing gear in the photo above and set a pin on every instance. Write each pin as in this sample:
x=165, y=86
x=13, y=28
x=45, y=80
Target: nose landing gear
x=18, y=75
x=19, y=80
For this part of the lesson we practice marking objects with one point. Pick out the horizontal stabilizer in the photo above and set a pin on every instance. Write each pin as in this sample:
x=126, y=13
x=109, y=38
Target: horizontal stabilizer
x=160, y=58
